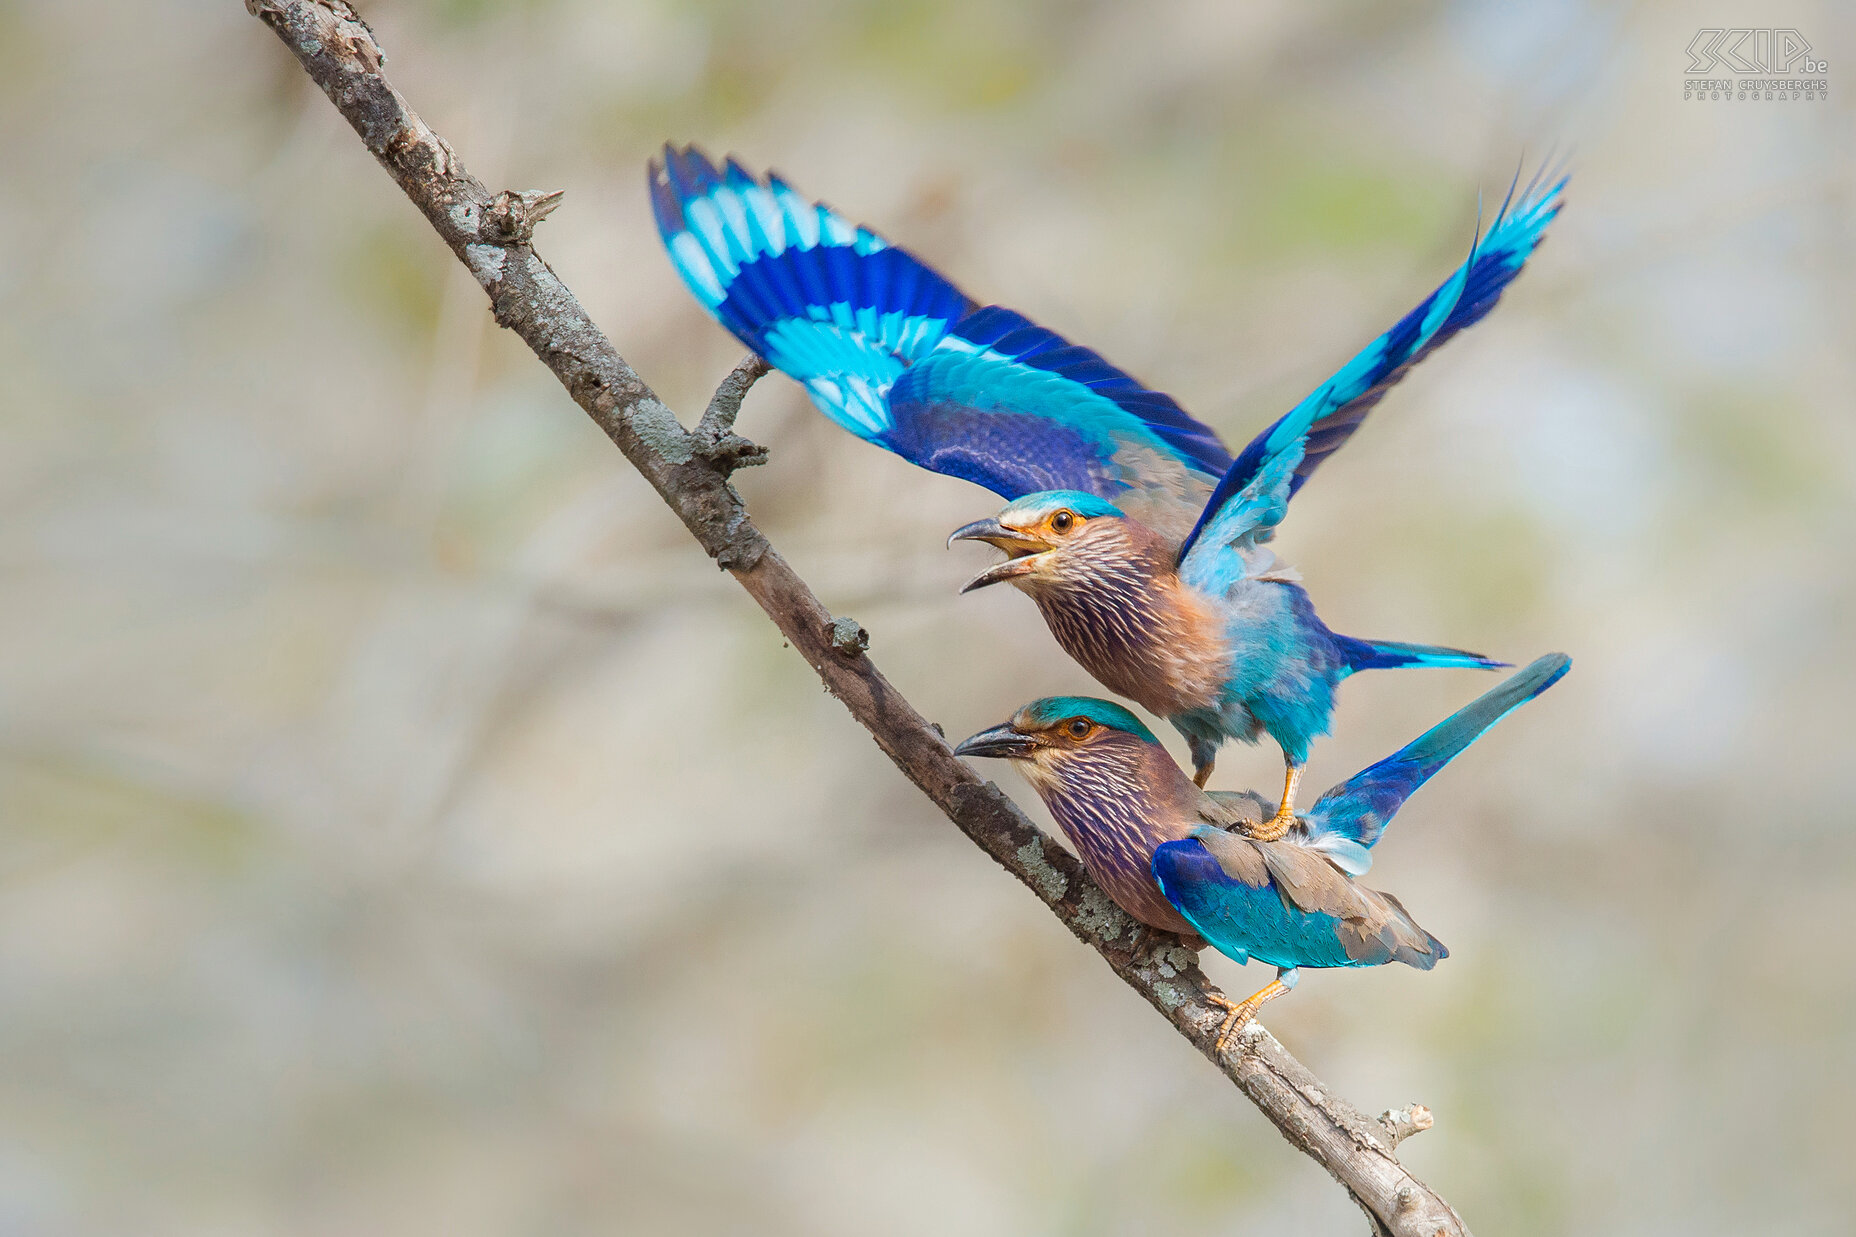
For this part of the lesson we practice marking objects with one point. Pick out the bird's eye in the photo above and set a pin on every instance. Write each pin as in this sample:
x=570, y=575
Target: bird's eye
x=1079, y=728
x=1062, y=521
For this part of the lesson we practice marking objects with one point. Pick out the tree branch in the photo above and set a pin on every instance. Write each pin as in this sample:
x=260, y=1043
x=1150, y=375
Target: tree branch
x=492, y=234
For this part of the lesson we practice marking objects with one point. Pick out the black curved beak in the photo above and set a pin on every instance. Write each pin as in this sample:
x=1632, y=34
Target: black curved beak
x=1001, y=741
x=1021, y=548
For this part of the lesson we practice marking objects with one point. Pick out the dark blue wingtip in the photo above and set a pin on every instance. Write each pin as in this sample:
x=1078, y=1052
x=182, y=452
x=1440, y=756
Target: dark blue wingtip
x=1497, y=255
x=1520, y=227
x=693, y=168
x=666, y=207
x=737, y=176
x=678, y=176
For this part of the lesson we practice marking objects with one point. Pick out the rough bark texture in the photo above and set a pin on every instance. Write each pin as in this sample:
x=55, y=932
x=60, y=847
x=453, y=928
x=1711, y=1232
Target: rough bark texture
x=492, y=234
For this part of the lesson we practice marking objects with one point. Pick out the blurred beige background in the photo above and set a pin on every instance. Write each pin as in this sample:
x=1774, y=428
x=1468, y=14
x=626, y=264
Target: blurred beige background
x=406, y=830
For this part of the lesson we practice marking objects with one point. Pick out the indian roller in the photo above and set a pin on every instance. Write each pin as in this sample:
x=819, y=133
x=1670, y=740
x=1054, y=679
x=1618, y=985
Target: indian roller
x=1180, y=859
x=1138, y=536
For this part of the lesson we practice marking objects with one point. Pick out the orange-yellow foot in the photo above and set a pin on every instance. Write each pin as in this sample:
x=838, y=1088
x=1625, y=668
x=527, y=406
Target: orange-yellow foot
x=1278, y=824
x=1241, y=1012
x=1273, y=828
x=1219, y=1000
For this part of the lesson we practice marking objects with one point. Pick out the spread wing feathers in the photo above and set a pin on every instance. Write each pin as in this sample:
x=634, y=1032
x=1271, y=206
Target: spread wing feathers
x=1017, y=408
x=892, y=351
x=1325, y=420
x=831, y=304
x=1460, y=301
x=1233, y=514
x=1357, y=811
x=1286, y=904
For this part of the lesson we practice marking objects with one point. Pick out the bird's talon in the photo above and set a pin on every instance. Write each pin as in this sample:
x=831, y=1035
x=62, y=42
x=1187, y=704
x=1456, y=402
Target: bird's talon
x=1245, y=1011
x=1237, y=1014
x=1272, y=829
x=1278, y=824
x=1234, y=1022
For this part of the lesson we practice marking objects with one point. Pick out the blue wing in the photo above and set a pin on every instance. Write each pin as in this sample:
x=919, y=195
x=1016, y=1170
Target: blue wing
x=893, y=352
x=1218, y=553
x=1471, y=292
x=1284, y=904
x=1253, y=495
x=831, y=304
x=1358, y=810
x=1019, y=409
x=1328, y=417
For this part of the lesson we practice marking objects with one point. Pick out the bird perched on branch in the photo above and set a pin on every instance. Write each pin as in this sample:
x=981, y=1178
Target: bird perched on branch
x=1180, y=859
x=1138, y=536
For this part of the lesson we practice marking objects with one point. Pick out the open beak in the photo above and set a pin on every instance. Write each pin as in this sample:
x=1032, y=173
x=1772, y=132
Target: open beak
x=1000, y=741
x=1022, y=552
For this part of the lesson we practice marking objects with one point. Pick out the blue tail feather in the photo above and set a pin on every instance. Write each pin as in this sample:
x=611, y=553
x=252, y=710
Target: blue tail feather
x=1396, y=655
x=1359, y=809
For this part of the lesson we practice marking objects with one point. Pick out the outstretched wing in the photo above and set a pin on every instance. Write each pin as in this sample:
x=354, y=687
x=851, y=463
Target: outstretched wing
x=893, y=352
x=1464, y=299
x=831, y=304
x=1242, y=512
x=1357, y=811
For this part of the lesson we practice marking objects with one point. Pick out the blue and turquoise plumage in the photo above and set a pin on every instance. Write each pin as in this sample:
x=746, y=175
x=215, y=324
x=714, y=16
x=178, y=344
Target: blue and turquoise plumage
x=1318, y=426
x=1294, y=662
x=1179, y=859
x=1357, y=811
x=892, y=351
x=1286, y=664
x=1175, y=604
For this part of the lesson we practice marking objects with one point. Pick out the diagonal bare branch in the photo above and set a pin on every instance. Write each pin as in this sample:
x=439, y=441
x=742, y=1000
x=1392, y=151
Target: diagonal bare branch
x=492, y=234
